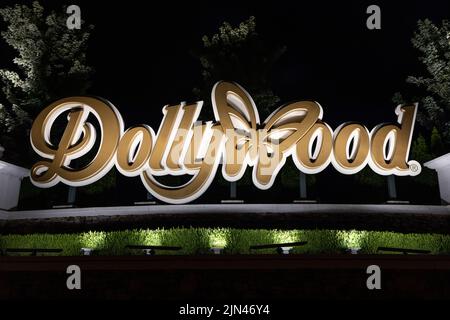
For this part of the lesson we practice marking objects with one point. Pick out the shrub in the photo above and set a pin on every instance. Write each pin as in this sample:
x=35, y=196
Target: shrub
x=234, y=241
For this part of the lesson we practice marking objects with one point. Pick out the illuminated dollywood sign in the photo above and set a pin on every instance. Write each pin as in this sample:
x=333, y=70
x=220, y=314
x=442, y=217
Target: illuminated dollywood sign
x=237, y=139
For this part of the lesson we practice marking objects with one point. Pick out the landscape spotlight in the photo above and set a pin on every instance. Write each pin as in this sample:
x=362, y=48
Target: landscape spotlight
x=86, y=251
x=149, y=252
x=284, y=250
x=217, y=250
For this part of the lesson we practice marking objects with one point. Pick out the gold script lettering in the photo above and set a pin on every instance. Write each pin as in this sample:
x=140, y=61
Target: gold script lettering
x=237, y=139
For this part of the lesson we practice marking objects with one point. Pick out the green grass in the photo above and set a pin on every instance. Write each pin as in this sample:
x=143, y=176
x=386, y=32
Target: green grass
x=234, y=241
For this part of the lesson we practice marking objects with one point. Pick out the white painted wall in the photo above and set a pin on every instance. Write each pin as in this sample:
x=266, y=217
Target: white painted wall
x=442, y=166
x=10, y=180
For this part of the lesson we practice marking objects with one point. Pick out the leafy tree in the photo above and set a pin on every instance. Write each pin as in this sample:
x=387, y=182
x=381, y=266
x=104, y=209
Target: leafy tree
x=240, y=54
x=437, y=146
x=420, y=151
x=433, y=42
x=50, y=63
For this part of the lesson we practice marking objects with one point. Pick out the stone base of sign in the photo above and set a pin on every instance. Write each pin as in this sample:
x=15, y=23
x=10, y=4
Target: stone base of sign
x=380, y=217
x=10, y=180
x=442, y=167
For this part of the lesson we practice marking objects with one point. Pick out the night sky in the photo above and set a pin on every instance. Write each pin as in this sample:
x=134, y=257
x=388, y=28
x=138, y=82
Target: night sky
x=143, y=53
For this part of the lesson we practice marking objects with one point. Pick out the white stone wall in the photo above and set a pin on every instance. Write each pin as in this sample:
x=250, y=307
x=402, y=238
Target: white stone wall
x=10, y=181
x=442, y=167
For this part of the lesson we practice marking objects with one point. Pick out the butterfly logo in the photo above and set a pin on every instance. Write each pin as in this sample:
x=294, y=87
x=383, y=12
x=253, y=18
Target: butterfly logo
x=264, y=146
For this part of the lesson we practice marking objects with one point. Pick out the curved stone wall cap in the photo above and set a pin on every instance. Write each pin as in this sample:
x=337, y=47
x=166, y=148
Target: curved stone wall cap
x=13, y=170
x=438, y=163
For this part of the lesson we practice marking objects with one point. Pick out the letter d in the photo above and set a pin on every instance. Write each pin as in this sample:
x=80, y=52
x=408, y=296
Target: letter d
x=390, y=144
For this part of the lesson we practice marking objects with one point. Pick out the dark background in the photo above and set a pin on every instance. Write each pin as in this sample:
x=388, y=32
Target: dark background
x=142, y=52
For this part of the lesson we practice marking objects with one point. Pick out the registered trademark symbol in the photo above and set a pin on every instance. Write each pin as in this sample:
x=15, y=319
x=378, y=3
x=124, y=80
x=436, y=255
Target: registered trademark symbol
x=414, y=167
